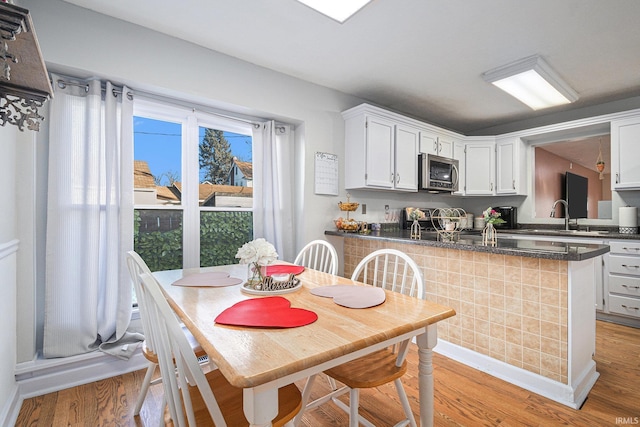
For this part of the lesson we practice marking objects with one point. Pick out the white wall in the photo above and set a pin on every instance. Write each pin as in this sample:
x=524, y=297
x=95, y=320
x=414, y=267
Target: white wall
x=8, y=283
x=80, y=42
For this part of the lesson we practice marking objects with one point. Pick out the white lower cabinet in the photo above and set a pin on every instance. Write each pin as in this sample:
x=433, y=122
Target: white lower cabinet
x=622, y=291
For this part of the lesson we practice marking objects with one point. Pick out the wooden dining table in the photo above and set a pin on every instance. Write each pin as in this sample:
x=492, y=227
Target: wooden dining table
x=260, y=360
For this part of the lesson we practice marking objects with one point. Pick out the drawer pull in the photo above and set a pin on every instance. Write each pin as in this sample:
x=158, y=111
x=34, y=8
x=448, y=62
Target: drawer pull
x=631, y=266
x=631, y=287
x=630, y=249
x=634, y=308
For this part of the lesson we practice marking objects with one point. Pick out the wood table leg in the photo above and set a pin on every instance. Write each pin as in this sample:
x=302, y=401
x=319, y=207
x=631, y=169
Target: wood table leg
x=260, y=407
x=426, y=342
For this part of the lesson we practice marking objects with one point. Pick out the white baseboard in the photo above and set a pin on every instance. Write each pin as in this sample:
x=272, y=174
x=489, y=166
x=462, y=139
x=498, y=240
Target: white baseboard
x=42, y=376
x=562, y=393
x=9, y=412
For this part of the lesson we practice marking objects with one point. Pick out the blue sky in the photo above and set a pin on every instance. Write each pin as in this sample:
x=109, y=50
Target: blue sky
x=158, y=143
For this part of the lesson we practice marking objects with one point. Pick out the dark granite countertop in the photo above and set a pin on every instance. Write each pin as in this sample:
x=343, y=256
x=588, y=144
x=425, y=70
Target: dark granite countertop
x=470, y=241
x=601, y=233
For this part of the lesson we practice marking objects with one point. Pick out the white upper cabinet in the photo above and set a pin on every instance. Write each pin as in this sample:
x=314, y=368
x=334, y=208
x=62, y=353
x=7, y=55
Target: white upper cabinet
x=428, y=142
x=432, y=143
x=458, y=154
x=445, y=146
x=381, y=152
x=625, y=154
x=480, y=169
x=406, y=158
x=511, y=166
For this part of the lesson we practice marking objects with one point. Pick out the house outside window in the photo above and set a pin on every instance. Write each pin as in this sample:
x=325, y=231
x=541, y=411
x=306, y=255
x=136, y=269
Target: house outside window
x=187, y=214
x=241, y=173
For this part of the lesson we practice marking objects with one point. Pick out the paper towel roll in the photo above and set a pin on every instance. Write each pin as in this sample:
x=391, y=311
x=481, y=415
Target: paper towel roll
x=628, y=220
x=628, y=216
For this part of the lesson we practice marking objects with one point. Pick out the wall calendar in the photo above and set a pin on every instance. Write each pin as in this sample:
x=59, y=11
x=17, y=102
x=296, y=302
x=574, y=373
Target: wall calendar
x=326, y=174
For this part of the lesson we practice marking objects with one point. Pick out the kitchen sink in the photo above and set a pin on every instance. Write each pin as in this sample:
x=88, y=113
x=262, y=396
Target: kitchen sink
x=566, y=232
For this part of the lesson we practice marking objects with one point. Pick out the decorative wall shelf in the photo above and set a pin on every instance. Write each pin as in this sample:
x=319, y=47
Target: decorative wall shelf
x=24, y=82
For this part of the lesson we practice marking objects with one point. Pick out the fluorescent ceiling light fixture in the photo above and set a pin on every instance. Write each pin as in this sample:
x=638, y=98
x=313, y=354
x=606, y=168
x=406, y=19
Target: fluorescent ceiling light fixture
x=340, y=10
x=533, y=82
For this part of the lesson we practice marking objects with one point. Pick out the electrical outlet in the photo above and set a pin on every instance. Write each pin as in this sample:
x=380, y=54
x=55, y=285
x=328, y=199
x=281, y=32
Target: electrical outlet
x=364, y=208
x=386, y=208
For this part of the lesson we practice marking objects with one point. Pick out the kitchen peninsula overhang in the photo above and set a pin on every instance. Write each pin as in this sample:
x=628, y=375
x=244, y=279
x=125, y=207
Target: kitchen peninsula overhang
x=564, y=251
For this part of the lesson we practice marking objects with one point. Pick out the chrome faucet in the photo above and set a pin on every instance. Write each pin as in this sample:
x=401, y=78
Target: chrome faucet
x=566, y=212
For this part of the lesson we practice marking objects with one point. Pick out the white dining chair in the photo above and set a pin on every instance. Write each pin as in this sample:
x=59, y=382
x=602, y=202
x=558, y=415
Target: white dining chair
x=194, y=398
x=322, y=256
x=392, y=270
x=137, y=267
x=318, y=255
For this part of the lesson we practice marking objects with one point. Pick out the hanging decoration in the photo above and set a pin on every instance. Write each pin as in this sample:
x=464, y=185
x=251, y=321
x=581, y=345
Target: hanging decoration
x=24, y=81
x=599, y=161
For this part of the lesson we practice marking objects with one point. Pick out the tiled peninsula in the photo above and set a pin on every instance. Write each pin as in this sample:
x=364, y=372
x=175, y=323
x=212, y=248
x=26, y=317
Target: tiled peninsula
x=525, y=310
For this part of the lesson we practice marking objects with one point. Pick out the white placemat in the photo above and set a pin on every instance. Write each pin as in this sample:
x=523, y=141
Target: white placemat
x=352, y=296
x=216, y=278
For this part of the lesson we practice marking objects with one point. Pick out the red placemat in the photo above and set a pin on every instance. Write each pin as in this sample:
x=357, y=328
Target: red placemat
x=268, y=312
x=283, y=269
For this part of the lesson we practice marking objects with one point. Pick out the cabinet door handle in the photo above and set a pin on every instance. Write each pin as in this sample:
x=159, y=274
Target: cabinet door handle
x=435, y=146
x=492, y=186
x=398, y=178
x=617, y=178
x=630, y=249
x=393, y=177
x=630, y=287
x=631, y=266
x=632, y=308
x=514, y=184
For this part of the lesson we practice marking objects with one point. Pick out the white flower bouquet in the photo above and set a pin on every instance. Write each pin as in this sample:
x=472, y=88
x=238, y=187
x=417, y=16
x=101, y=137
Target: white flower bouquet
x=257, y=254
x=258, y=251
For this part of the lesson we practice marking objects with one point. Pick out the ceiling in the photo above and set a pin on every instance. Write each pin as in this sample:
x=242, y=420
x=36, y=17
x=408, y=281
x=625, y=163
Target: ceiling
x=422, y=58
x=584, y=151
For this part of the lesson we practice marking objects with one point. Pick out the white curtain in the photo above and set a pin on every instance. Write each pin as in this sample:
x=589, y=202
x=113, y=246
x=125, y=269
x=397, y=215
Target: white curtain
x=89, y=219
x=273, y=187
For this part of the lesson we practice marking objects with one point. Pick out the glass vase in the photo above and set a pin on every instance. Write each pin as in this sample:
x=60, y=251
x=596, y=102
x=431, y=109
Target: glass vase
x=489, y=235
x=255, y=275
x=416, y=233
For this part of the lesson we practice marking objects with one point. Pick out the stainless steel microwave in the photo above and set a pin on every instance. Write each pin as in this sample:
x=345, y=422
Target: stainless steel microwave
x=437, y=174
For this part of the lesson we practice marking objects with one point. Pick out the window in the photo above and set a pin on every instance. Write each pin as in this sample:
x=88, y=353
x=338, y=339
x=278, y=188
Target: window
x=193, y=187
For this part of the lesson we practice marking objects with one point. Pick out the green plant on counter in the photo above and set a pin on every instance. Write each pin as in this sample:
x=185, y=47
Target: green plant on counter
x=416, y=214
x=491, y=216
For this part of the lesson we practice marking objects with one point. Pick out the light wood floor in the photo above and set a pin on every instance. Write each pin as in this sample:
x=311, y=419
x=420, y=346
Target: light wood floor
x=464, y=396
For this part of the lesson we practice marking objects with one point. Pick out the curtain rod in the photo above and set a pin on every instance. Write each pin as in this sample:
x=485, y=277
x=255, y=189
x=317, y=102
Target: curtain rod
x=116, y=91
x=255, y=122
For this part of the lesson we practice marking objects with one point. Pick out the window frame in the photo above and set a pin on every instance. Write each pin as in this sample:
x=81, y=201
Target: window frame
x=191, y=121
